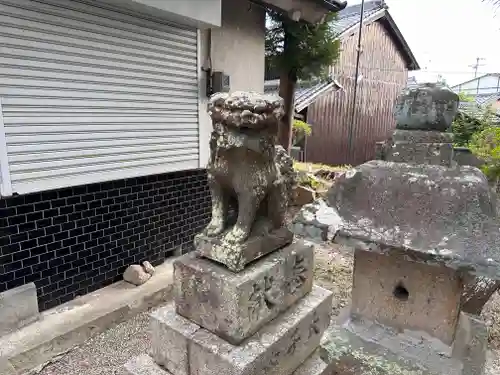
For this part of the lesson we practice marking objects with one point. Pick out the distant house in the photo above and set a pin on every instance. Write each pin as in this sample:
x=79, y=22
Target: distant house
x=482, y=86
x=411, y=82
x=485, y=92
x=384, y=64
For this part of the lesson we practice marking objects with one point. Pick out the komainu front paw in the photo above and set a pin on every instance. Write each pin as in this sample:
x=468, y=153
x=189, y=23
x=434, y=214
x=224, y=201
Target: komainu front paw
x=236, y=235
x=214, y=228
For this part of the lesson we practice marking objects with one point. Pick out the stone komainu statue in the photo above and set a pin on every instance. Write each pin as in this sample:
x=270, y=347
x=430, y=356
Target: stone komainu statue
x=246, y=166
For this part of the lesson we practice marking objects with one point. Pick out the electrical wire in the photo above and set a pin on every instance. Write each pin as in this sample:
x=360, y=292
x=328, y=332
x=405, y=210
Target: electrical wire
x=420, y=71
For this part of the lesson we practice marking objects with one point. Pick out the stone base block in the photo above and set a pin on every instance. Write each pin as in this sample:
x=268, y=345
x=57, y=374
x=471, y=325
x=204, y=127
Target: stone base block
x=471, y=344
x=421, y=153
x=6, y=368
x=421, y=136
x=170, y=339
x=144, y=365
x=314, y=365
x=277, y=349
x=236, y=305
x=407, y=294
x=18, y=308
x=236, y=257
x=359, y=347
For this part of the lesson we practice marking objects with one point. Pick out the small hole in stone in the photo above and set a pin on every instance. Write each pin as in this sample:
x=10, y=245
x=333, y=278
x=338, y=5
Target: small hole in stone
x=401, y=293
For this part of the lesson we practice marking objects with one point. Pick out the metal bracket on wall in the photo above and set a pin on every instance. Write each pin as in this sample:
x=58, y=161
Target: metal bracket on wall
x=5, y=182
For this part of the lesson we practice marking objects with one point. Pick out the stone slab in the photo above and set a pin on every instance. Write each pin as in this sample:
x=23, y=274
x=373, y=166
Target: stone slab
x=420, y=153
x=170, y=339
x=18, y=308
x=235, y=305
x=421, y=136
x=382, y=204
x=237, y=256
x=278, y=348
x=359, y=347
x=143, y=365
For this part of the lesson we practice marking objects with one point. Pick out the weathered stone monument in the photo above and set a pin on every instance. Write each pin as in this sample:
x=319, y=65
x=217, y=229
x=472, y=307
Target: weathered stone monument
x=245, y=302
x=419, y=225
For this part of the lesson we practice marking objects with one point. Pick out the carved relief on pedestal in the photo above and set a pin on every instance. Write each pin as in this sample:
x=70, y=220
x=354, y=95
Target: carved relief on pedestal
x=262, y=297
x=299, y=272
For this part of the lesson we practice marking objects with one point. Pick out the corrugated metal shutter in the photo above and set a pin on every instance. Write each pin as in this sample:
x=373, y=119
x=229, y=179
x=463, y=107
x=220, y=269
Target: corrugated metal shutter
x=93, y=94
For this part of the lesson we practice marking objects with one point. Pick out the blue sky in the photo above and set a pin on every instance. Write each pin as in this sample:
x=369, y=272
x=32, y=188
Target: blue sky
x=446, y=36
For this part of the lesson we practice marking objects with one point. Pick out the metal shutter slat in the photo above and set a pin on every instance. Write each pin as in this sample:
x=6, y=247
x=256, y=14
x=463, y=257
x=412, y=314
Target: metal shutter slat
x=91, y=93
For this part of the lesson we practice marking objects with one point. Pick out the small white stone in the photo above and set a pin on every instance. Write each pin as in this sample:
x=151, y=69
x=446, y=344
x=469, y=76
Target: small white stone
x=148, y=267
x=136, y=275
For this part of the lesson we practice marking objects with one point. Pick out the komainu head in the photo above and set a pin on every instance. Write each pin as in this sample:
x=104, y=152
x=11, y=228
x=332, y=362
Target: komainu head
x=246, y=111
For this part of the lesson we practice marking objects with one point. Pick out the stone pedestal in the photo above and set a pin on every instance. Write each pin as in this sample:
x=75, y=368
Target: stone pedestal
x=235, y=305
x=267, y=319
x=182, y=347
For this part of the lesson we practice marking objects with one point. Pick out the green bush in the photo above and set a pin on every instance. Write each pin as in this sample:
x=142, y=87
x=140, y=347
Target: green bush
x=464, y=127
x=486, y=145
x=308, y=180
x=466, y=124
x=300, y=130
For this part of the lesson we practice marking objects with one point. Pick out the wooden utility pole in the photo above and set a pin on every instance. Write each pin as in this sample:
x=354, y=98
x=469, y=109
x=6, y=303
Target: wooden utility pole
x=477, y=65
x=350, y=145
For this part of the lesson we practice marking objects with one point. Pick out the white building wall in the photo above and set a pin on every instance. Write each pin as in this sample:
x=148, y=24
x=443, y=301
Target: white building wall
x=237, y=49
x=197, y=13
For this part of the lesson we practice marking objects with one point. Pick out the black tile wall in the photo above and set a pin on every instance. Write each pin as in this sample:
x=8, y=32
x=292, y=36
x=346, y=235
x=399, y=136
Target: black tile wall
x=73, y=241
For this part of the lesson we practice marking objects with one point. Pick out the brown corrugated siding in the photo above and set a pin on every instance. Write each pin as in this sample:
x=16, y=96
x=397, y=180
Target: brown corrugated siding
x=384, y=76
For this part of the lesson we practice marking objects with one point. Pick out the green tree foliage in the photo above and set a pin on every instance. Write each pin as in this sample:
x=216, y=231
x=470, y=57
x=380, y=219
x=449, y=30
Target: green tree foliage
x=300, y=130
x=300, y=48
x=466, y=124
x=464, y=127
x=486, y=145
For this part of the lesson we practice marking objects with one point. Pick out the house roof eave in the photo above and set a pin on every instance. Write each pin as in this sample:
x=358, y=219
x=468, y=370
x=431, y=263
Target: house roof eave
x=304, y=102
x=383, y=14
x=305, y=96
x=332, y=5
x=473, y=79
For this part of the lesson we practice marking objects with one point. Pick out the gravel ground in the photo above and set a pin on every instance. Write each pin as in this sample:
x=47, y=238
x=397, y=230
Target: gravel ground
x=106, y=353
